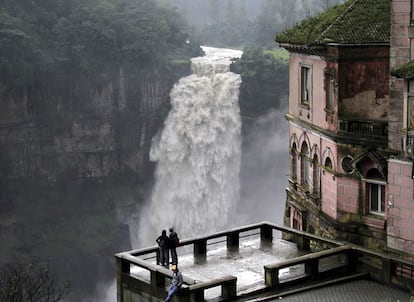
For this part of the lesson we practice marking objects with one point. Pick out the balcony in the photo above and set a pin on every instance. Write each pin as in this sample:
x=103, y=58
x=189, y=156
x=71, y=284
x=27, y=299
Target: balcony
x=372, y=132
x=252, y=263
x=364, y=127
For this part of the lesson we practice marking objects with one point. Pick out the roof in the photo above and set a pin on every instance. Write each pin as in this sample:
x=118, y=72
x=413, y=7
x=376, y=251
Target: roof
x=405, y=71
x=353, y=22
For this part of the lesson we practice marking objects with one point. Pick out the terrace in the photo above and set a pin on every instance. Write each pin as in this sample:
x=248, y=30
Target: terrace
x=260, y=260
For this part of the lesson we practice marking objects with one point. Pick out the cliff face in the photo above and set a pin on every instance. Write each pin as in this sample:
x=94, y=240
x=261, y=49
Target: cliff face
x=64, y=143
x=78, y=126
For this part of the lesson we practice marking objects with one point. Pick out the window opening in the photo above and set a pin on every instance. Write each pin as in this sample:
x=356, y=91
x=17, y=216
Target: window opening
x=315, y=176
x=305, y=85
x=375, y=185
x=329, y=90
x=304, y=164
x=294, y=162
x=328, y=163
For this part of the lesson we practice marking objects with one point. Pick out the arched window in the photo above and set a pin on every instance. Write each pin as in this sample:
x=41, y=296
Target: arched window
x=315, y=174
x=304, y=164
x=294, y=162
x=375, y=191
x=328, y=163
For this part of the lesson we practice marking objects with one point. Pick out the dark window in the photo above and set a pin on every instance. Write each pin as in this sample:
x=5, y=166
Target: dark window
x=305, y=85
x=328, y=163
x=294, y=162
x=329, y=90
x=412, y=12
x=304, y=164
x=315, y=175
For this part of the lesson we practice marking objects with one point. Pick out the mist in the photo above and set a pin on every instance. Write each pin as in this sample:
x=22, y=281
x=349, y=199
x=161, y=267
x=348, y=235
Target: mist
x=238, y=23
x=263, y=179
x=265, y=168
x=73, y=93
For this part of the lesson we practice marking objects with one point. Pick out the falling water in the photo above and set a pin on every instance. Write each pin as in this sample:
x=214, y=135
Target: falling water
x=197, y=154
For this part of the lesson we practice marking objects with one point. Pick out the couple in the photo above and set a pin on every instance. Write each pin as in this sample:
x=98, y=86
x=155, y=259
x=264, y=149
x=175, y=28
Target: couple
x=167, y=244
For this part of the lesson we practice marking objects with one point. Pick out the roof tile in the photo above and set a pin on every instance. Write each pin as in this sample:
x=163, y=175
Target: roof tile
x=353, y=22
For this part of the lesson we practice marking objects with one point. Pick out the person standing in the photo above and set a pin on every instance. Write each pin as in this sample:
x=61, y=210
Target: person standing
x=162, y=241
x=174, y=241
x=176, y=283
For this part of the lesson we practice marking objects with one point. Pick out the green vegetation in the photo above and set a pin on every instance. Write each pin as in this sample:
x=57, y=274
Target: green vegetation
x=280, y=54
x=56, y=58
x=310, y=28
x=55, y=52
x=351, y=22
x=265, y=78
x=91, y=36
x=76, y=227
x=405, y=71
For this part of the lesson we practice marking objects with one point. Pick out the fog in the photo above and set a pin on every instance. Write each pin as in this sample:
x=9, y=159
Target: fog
x=263, y=179
x=244, y=22
x=265, y=168
x=64, y=222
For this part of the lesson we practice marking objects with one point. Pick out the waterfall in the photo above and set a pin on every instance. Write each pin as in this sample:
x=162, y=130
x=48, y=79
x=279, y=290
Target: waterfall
x=198, y=154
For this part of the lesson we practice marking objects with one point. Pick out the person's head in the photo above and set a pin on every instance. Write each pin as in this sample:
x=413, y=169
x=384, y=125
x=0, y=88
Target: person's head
x=174, y=268
x=164, y=233
x=171, y=229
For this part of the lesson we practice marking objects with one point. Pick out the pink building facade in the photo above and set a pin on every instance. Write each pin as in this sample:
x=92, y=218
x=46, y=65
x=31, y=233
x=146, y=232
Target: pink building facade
x=349, y=125
x=400, y=198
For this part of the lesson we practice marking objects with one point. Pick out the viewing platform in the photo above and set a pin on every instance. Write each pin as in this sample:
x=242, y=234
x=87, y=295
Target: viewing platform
x=259, y=262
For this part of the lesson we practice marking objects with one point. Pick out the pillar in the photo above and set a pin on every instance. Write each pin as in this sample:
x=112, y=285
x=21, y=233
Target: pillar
x=157, y=279
x=233, y=240
x=122, y=267
x=266, y=233
x=200, y=251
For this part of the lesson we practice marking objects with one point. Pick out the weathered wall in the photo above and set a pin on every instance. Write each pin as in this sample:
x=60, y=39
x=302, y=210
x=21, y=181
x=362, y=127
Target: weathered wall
x=400, y=206
x=315, y=113
x=400, y=53
x=364, y=90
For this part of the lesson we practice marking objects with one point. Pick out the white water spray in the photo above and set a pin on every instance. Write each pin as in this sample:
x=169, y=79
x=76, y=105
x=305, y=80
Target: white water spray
x=198, y=153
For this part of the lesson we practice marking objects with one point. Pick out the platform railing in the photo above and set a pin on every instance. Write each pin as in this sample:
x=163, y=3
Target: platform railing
x=130, y=286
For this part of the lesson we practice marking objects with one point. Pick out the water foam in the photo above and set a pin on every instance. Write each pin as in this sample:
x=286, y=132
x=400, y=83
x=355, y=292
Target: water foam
x=198, y=153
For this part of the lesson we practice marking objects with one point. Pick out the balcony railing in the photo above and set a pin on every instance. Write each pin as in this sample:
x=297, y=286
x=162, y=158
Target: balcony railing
x=381, y=267
x=366, y=128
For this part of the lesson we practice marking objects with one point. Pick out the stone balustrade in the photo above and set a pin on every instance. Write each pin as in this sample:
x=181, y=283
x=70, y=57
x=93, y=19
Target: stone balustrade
x=311, y=264
x=131, y=288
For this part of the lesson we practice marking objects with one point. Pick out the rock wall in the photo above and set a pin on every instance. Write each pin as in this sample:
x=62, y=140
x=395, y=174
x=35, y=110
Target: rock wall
x=80, y=126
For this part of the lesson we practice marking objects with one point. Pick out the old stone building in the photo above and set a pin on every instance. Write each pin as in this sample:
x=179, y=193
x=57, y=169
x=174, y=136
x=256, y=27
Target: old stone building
x=350, y=172
x=400, y=186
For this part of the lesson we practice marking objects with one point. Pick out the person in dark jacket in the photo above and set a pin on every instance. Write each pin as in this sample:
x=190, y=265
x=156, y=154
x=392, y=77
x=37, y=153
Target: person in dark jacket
x=163, y=244
x=173, y=243
x=176, y=283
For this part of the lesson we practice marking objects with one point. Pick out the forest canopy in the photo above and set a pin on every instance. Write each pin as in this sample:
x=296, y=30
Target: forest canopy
x=48, y=36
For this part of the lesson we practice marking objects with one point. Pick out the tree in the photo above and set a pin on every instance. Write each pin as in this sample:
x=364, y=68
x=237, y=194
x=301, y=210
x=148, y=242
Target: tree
x=30, y=283
x=265, y=79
